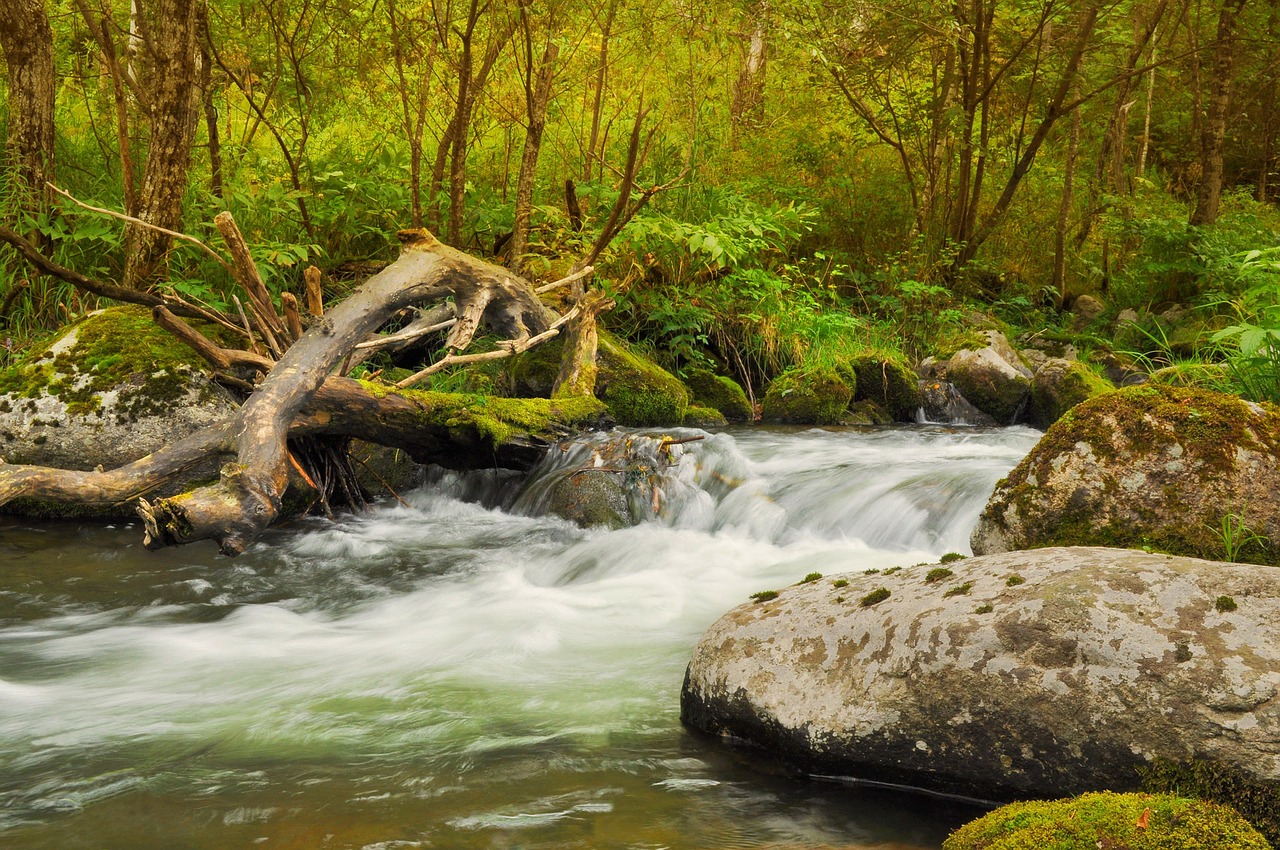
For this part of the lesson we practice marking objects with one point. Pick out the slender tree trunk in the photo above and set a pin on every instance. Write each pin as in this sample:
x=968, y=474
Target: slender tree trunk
x=1064, y=211
x=27, y=41
x=748, y=90
x=597, y=106
x=169, y=33
x=1214, y=128
x=210, y=110
x=536, y=102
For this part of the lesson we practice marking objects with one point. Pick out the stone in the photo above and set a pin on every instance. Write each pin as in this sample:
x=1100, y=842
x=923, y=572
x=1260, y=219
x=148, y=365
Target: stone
x=1181, y=470
x=722, y=393
x=107, y=391
x=1086, y=308
x=1127, y=316
x=1043, y=673
x=990, y=382
x=813, y=396
x=696, y=416
x=1060, y=385
x=888, y=382
x=943, y=404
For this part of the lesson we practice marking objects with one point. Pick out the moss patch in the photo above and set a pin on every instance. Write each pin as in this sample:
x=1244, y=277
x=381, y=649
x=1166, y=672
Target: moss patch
x=815, y=396
x=888, y=382
x=1057, y=388
x=717, y=391
x=1257, y=801
x=696, y=416
x=115, y=349
x=1110, y=821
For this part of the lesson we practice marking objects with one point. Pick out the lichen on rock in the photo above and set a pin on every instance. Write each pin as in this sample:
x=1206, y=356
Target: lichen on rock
x=1147, y=466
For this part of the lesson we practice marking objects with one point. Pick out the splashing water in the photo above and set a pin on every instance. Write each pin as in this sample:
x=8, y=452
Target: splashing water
x=461, y=672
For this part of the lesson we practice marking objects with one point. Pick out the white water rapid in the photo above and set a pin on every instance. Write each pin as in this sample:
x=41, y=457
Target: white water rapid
x=451, y=674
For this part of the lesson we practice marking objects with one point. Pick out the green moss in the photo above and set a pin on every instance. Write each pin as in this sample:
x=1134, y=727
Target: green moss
x=1223, y=604
x=880, y=594
x=866, y=412
x=937, y=574
x=1014, y=581
x=984, y=609
x=1110, y=821
x=1258, y=801
x=1050, y=400
x=115, y=349
x=719, y=392
x=888, y=382
x=806, y=397
x=696, y=416
x=1125, y=424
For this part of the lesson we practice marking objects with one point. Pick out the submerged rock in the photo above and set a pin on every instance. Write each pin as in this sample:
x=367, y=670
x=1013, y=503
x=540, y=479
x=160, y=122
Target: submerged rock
x=1180, y=470
x=1043, y=673
x=109, y=390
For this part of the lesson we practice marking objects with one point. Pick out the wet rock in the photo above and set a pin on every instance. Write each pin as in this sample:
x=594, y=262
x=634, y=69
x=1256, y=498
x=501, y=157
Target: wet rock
x=722, y=393
x=1043, y=673
x=943, y=404
x=696, y=416
x=1060, y=385
x=993, y=379
x=108, y=391
x=814, y=396
x=890, y=383
x=1185, y=471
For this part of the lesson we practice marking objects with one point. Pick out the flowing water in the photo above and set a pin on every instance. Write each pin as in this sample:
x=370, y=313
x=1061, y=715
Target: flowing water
x=458, y=672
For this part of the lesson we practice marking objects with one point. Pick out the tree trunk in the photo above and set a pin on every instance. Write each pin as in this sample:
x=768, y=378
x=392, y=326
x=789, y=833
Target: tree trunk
x=1064, y=212
x=1214, y=128
x=169, y=32
x=597, y=105
x=536, y=102
x=748, y=90
x=27, y=41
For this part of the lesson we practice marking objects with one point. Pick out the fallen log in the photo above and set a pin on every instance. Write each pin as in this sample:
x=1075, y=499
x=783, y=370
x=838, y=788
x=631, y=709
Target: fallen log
x=300, y=394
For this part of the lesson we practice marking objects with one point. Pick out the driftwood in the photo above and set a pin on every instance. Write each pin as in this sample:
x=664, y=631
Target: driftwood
x=303, y=391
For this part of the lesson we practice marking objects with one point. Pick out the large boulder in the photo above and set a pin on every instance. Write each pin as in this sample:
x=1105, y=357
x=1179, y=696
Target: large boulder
x=1045, y=673
x=1059, y=385
x=1181, y=470
x=994, y=379
x=889, y=383
x=107, y=391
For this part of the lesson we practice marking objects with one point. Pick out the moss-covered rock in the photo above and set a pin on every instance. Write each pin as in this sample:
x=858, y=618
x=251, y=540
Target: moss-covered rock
x=813, y=396
x=866, y=412
x=888, y=382
x=106, y=391
x=1059, y=385
x=1257, y=800
x=993, y=379
x=696, y=416
x=1180, y=470
x=636, y=390
x=720, y=392
x=1113, y=821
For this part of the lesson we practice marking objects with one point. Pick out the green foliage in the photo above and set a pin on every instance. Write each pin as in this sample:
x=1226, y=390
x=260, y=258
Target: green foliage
x=1237, y=538
x=1224, y=604
x=1256, y=799
x=951, y=558
x=880, y=594
x=765, y=595
x=1014, y=581
x=959, y=590
x=811, y=577
x=938, y=574
x=1090, y=821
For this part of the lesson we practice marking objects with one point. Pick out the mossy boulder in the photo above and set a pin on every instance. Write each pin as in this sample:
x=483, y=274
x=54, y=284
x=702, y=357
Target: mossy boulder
x=720, y=392
x=1106, y=820
x=806, y=396
x=1180, y=470
x=106, y=391
x=994, y=379
x=696, y=416
x=889, y=383
x=1059, y=385
x=1044, y=673
x=636, y=390
x=866, y=412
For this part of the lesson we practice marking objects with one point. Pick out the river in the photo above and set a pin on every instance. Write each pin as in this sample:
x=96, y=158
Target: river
x=455, y=672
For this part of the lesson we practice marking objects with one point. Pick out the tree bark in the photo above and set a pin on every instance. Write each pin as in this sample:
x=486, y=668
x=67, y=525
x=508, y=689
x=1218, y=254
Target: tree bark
x=1214, y=128
x=27, y=41
x=537, y=98
x=169, y=34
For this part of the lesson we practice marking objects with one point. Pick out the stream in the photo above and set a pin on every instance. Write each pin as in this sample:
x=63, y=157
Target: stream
x=457, y=672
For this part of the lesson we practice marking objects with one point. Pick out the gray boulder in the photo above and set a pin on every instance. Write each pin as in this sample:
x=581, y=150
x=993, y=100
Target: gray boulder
x=994, y=379
x=108, y=391
x=942, y=403
x=1181, y=470
x=1043, y=673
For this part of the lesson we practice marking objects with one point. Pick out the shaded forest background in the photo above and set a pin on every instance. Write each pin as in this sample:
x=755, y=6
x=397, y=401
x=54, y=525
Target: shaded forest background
x=790, y=179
